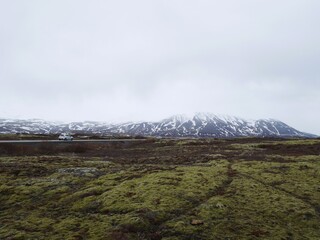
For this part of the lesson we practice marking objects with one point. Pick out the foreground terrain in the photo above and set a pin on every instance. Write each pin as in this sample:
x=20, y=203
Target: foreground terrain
x=161, y=189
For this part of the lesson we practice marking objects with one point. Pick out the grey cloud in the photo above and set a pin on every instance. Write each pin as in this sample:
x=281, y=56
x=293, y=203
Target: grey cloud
x=144, y=60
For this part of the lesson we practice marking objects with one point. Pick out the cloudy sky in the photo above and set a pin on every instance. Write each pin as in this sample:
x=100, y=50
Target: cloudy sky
x=146, y=60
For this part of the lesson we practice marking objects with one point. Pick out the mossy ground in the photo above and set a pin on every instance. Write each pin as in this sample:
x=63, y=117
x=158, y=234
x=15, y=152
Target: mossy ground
x=162, y=189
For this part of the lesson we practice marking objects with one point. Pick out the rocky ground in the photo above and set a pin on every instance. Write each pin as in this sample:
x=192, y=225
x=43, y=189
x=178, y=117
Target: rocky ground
x=161, y=189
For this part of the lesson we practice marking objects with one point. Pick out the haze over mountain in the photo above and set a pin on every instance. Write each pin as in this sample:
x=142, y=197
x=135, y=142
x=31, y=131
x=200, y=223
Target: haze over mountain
x=197, y=125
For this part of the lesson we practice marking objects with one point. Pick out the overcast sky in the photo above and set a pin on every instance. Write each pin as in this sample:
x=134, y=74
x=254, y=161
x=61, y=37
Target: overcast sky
x=146, y=60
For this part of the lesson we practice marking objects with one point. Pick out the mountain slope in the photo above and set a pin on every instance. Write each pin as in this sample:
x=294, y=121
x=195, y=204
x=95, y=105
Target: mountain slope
x=198, y=125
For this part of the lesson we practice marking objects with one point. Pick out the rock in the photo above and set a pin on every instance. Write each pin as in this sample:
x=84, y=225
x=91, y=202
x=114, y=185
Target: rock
x=79, y=171
x=219, y=205
x=196, y=222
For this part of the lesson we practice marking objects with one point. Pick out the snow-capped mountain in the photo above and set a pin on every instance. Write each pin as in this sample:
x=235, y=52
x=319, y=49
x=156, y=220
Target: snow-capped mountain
x=197, y=125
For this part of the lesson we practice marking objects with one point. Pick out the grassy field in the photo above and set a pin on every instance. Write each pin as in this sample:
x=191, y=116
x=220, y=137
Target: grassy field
x=161, y=189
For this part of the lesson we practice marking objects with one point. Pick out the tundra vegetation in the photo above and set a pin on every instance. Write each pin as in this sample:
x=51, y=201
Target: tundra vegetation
x=161, y=189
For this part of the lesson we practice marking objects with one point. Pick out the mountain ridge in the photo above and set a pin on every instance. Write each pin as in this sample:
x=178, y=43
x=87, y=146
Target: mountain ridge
x=180, y=125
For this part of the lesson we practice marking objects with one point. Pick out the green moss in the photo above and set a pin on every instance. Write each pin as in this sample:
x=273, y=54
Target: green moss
x=186, y=189
x=169, y=192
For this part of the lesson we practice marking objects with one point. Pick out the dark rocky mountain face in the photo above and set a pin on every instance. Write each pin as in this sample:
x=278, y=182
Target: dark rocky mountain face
x=198, y=125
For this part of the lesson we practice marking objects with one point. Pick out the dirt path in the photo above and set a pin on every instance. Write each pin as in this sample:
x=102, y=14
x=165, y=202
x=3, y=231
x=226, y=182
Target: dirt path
x=306, y=201
x=220, y=190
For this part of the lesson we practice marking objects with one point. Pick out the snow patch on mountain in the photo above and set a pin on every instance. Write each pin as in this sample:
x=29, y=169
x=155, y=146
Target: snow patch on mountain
x=182, y=125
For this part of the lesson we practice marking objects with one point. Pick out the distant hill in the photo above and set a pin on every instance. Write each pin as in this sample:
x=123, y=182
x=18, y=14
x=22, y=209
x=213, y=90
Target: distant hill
x=197, y=125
